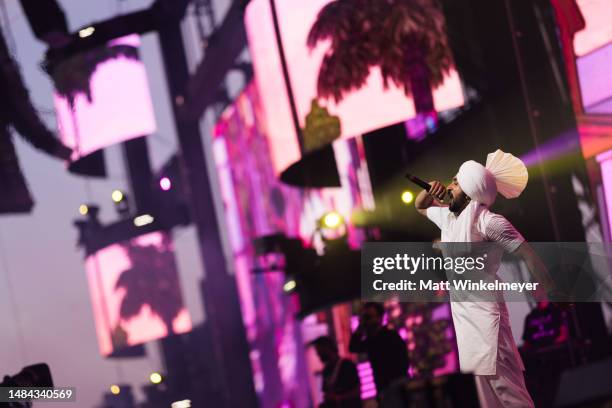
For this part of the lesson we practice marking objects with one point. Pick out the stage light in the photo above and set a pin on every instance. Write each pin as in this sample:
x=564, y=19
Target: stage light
x=165, y=183
x=117, y=196
x=86, y=32
x=289, y=286
x=83, y=209
x=143, y=220
x=332, y=220
x=181, y=404
x=36, y=375
x=155, y=378
x=407, y=197
x=332, y=228
x=122, y=204
x=114, y=389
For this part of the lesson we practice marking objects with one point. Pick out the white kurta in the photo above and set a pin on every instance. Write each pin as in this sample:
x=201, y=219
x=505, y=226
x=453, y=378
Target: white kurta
x=482, y=328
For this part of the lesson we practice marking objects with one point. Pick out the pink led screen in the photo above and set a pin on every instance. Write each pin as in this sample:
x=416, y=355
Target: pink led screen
x=598, y=30
x=605, y=161
x=255, y=204
x=370, y=107
x=135, y=292
x=102, y=97
x=596, y=81
x=593, y=49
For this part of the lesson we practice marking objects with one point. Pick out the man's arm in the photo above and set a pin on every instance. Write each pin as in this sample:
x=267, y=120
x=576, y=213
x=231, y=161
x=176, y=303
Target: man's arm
x=535, y=265
x=501, y=231
x=426, y=199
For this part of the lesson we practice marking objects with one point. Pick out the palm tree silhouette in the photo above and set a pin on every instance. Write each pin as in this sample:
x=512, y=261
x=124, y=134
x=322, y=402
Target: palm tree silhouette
x=152, y=280
x=406, y=39
x=73, y=76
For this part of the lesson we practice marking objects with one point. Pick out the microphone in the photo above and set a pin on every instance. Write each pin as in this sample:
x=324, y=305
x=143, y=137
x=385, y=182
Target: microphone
x=421, y=183
x=426, y=186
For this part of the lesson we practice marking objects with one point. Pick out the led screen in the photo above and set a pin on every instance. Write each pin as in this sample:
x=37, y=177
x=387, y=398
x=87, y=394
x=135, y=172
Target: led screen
x=135, y=292
x=593, y=49
x=255, y=204
x=102, y=97
x=598, y=30
x=596, y=81
x=367, y=108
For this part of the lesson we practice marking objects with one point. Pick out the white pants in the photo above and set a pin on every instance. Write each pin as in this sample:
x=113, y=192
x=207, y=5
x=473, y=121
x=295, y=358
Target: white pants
x=505, y=389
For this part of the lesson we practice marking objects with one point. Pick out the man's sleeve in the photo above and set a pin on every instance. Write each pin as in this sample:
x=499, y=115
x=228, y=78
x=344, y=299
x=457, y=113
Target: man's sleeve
x=437, y=215
x=499, y=229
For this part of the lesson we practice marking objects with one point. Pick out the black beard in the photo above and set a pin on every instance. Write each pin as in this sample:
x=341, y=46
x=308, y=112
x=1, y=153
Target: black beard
x=454, y=207
x=457, y=204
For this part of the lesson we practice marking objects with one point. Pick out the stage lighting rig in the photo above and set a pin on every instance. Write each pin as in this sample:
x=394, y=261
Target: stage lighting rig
x=156, y=378
x=331, y=220
x=181, y=404
x=17, y=111
x=332, y=228
x=88, y=225
x=144, y=219
x=319, y=281
x=117, y=196
x=83, y=209
x=120, y=395
x=47, y=20
x=168, y=193
x=407, y=197
x=121, y=201
x=86, y=32
x=37, y=375
x=278, y=253
x=90, y=214
x=289, y=286
x=159, y=14
x=165, y=183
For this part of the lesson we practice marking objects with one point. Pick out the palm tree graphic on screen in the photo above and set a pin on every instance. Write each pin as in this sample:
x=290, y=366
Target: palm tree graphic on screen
x=152, y=280
x=406, y=39
x=73, y=76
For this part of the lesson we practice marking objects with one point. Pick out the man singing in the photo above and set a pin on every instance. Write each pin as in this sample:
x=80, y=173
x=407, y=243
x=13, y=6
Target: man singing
x=484, y=337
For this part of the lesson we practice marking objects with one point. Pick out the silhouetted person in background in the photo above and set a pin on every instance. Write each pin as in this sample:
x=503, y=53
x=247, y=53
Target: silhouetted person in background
x=545, y=351
x=341, y=387
x=386, y=350
x=544, y=326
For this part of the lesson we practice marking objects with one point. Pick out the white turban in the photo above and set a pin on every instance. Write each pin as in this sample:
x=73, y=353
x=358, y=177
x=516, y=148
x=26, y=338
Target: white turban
x=504, y=173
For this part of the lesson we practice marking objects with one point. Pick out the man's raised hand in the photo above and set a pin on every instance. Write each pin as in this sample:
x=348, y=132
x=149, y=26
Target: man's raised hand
x=437, y=190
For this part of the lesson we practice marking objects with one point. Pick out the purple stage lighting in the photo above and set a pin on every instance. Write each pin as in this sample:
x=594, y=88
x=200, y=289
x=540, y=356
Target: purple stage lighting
x=561, y=146
x=165, y=183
